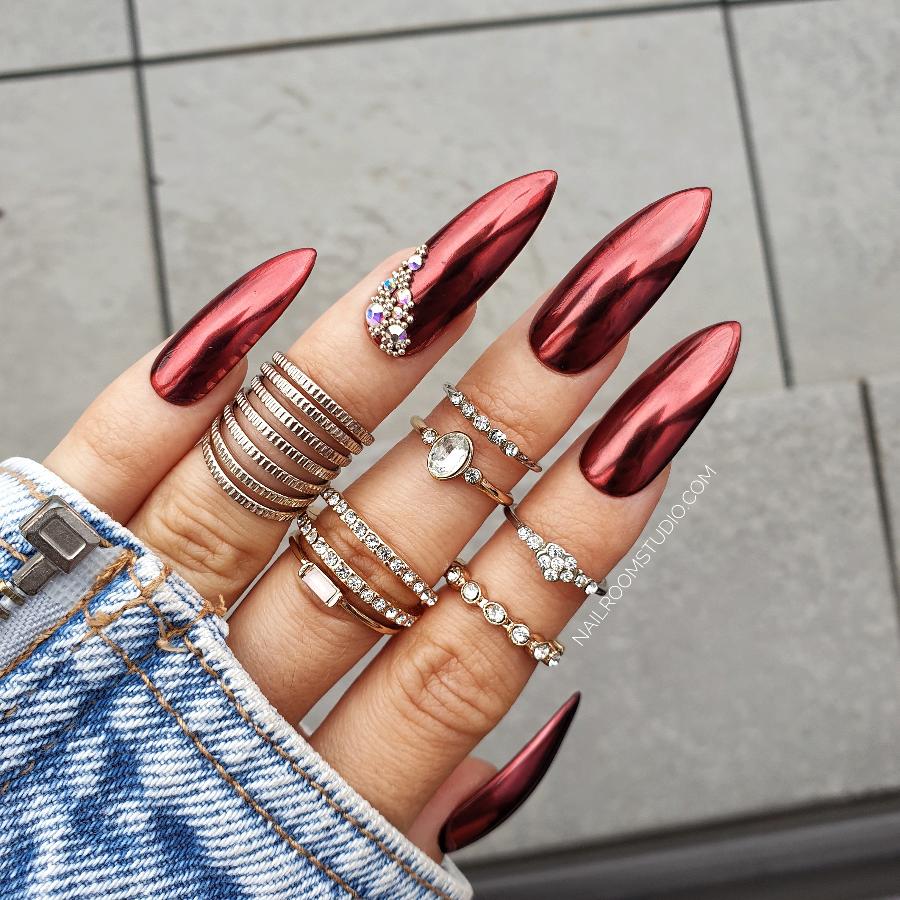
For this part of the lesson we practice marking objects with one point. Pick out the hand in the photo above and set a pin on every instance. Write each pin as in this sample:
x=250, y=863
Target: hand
x=401, y=734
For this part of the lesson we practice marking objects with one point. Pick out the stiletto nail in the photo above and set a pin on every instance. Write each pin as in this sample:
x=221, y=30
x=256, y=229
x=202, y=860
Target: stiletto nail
x=472, y=251
x=221, y=334
x=612, y=288
x=647, y=425
x=496, y=800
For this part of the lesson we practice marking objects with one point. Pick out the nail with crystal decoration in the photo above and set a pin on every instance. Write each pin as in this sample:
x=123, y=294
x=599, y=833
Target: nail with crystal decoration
x=496, y=800
x=453, y=270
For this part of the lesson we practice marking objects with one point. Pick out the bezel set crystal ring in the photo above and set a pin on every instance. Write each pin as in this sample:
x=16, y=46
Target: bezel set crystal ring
x=450, y=455
x=390, y=311
x=480, y=422
x=291, y=398
x=547, y=652
x=554, y=562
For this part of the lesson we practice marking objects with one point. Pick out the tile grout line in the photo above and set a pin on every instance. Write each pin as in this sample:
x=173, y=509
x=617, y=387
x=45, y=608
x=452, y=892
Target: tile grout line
x=884, y=508
x=759, y=206
x=374, y=36
x=162, y=283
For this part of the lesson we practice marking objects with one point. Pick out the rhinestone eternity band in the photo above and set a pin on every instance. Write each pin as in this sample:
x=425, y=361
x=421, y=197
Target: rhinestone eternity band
x=483, y=424
x=450, y=455
x=555, y=563
x=519, y=634
x=380, y=548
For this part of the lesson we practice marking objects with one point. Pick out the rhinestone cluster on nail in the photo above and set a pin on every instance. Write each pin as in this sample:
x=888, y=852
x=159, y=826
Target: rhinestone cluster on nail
x=519, y=634
x=557, y=564
x=390, y=311
x=351, y=579
x=480, y=422
x=382, y=551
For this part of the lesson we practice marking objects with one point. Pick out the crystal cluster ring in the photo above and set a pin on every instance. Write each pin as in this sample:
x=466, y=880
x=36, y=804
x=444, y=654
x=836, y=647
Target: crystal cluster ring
x=555, y=563
x=390, y=312
x=544, y=651
x=483, y=424
x=350, y=579
x=450, y=455
x=380, y=548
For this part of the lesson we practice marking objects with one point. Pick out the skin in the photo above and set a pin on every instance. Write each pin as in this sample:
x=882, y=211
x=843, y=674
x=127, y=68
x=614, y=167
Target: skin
x=448, y=681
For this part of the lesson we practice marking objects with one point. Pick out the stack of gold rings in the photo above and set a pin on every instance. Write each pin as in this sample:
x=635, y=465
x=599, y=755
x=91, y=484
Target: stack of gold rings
x=246, y=434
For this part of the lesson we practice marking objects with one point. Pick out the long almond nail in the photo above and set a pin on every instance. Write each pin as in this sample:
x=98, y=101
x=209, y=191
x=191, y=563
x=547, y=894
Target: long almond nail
x=612, y=288
x=221, y=334
x=496, y=800
x=472, y=251
x=648, y=424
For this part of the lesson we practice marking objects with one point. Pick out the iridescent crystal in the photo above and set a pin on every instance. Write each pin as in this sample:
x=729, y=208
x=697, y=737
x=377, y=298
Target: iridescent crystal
x=374, y=314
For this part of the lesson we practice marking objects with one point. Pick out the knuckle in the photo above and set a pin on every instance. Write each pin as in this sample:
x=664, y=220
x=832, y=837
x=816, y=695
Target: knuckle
x=103, y=439
x=444, y=695
x=191, y=530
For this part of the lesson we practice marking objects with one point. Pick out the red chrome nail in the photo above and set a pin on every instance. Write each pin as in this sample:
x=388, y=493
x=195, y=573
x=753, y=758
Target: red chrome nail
x=218, y=337
x=496, y=800
x=613, y=287
x=647, y=425
x=473, y=250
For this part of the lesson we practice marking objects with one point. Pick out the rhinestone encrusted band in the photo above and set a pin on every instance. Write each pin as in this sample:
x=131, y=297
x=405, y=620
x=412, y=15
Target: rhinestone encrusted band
x=519, y=634
x=483, y=424
x=390, y=312
x=380, y=548
x=351, y=579
x=555, y=562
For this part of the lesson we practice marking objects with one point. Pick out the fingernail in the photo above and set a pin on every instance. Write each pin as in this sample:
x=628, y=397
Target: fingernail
x=496, y=800
x=646, y=426
x=613, y=287
x=472, y=251
x=218, y=337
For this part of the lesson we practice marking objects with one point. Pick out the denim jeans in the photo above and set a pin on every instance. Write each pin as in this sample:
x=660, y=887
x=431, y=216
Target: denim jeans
x=140, y=760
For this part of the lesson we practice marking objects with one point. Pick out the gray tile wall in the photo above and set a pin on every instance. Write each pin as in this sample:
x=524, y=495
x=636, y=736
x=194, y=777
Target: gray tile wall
x=753, y=666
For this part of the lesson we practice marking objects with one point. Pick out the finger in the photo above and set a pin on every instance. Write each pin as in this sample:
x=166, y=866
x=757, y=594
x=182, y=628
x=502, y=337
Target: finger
x=534, y=381
x=218, y=545
x=471, y=774
x=446, y=683
x=150, y=416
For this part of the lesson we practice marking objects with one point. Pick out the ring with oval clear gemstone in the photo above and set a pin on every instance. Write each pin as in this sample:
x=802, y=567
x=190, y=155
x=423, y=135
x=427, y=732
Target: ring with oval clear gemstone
x=450, y=455
x=519, y=634
x=390, y=310
x=555, y=563
x=483, y=424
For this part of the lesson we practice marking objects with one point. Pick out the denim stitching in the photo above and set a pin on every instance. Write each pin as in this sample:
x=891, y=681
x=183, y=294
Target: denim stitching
x=27, y=483
x=104, y=578
x=21, y=557
x=349, y=817
x=223, y=773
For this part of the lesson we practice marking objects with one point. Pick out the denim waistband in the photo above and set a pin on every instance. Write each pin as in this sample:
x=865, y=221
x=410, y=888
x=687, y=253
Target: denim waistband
x=139, y=758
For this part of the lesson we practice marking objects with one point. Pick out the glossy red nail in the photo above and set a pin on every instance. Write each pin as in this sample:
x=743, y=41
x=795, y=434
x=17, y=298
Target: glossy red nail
x=218, y=337
x=612, y=288
x=648, y=424
x=473, y=250
x=496, y=800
